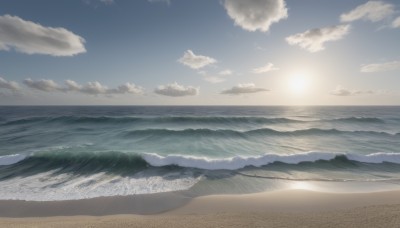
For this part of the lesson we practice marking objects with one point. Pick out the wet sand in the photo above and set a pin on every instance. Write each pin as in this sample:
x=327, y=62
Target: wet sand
x=289, y=208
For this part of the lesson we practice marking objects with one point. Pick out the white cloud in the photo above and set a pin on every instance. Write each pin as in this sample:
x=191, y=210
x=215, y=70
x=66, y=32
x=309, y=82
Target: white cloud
x=380, y=67
x=195, y=61
x=341, y=91
x=31, y=38
x=128, y=88
x=10, y=85
x=72, y=86
x=225, y=72
x=92, y=88
x=396, y=23
x=96, y=88
x=243, y=88
x=42, y=84
x=176, y=90
x=313, y=40
x=264, y=69
x=255, y=15
x=372, y=10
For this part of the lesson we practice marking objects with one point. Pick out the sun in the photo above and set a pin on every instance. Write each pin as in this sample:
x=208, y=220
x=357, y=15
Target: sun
x=299, y=83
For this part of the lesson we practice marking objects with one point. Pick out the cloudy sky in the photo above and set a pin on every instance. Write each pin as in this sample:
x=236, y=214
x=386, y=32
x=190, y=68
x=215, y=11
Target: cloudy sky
x=200, y=52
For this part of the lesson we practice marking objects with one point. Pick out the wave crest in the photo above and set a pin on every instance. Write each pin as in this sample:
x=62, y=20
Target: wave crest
x=119, y=161
x=256, y=132
x=11, y=159
x=184, y=120
x=239, y=162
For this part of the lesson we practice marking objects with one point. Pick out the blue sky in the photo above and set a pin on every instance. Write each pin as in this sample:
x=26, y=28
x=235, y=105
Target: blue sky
x=208, y=52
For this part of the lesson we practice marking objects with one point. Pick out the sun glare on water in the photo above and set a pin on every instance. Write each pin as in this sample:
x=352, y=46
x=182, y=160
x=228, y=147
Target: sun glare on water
x=301, y=185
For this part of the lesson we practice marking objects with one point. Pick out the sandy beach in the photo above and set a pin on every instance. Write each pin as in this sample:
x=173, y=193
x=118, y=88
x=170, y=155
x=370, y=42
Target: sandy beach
x=289, y=208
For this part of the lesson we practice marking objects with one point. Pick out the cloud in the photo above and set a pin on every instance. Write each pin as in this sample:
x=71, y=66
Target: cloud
x=225, y=72
x=94, y=88
x=72, y=86
x=253, y=15
x=128, y=88
x=341, y=91
x=243, y=88
x=380, y=67
x=176, y=90
x=264, y=69
x=313, y=40
x=195, y=61
x=91, y=88
x=372, y=11
x=42, y=85
x=31, y=38
x=396, y=23
x=10, y=85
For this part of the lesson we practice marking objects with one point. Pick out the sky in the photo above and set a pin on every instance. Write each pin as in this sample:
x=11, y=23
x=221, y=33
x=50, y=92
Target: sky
x=199, y=52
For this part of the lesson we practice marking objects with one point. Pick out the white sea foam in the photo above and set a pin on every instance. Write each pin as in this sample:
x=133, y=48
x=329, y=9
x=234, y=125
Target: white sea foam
x=11, y=159
x=375, y=158
x=49, y=187
x=239, y=162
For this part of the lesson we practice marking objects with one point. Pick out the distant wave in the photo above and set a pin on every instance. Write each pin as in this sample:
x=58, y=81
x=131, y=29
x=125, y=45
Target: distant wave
x=171, y=119
x=239, y=162
x=257, y=132
x=357, y=120
x=183, y=120
x=25, y=121
x=119, y=161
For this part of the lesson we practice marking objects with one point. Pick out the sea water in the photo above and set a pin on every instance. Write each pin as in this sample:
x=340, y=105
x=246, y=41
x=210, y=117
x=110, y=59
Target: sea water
x=75, y=152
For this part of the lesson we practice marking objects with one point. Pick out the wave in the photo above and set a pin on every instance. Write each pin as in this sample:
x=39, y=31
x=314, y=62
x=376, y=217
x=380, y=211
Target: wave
x=171, y=119
x=11, y=159
x=256, y=132
x=76, y=162
x=182, y=120
x=357, y=120
x=70, y=176
x=71, y=120
x=239, y=162
x=25, y=121
x=119, y=161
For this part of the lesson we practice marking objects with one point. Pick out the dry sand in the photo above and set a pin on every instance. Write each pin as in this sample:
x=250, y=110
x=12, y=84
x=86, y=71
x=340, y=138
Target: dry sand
x=292, y=208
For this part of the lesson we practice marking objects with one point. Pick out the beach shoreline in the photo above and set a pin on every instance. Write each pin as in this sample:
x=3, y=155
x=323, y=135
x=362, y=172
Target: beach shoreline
x=286, y=208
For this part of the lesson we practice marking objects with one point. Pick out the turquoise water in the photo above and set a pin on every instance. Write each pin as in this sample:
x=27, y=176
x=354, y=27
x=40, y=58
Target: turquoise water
x=83, y=152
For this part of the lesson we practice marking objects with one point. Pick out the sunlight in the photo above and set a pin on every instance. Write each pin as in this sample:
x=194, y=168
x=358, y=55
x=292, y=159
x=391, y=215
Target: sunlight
x=301, y=185
x=299, y=83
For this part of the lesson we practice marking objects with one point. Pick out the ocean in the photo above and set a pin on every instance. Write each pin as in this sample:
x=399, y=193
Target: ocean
x=50, y=153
